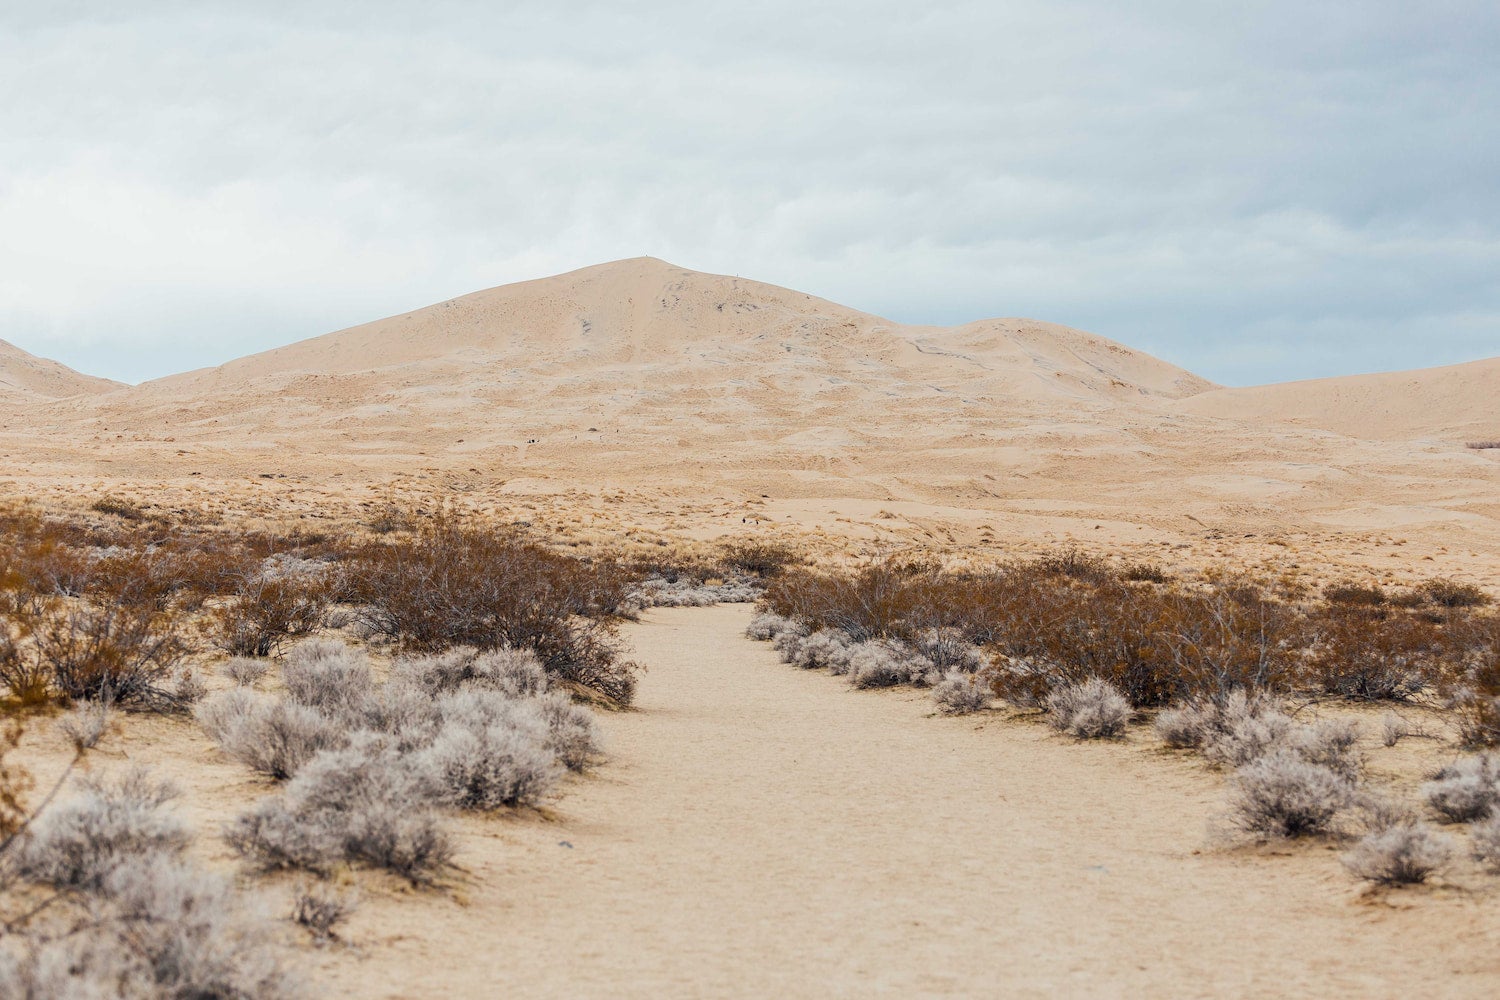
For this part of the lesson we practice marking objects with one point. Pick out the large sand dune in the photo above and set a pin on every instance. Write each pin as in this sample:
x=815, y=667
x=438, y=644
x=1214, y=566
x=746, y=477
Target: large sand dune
x=27, y=378
x=664, y=388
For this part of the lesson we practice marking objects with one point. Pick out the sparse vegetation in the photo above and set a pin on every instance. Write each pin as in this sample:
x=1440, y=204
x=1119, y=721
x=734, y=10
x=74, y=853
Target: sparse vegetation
x=1090, y=710
x=1281, y=794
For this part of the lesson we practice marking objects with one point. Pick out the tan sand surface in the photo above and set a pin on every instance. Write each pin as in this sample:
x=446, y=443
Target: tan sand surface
x=762, y=831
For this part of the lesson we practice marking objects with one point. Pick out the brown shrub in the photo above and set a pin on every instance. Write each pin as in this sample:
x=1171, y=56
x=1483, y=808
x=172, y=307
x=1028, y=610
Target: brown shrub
x=264, y=614
x=112, y=654
x=1364, y=652
x=1446, y=592
x=451, y=585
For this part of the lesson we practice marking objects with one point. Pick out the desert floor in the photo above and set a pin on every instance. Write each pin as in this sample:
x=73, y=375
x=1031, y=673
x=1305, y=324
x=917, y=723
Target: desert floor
x=762, y=831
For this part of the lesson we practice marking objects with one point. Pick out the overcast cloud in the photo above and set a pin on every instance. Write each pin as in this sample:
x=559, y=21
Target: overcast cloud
x=1256, y=191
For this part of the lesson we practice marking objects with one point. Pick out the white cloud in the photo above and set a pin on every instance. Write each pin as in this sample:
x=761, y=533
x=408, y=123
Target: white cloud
x=182, y=183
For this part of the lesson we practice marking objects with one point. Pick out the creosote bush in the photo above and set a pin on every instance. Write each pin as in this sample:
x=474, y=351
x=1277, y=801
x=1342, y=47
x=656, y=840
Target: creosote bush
x=451, y=585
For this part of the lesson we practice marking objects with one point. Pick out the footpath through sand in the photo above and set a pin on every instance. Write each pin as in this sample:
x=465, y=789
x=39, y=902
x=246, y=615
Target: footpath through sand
x=760, y=831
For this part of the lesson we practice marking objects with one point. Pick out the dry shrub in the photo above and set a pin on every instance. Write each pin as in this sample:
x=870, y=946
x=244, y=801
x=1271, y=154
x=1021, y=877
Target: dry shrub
x=1400, y=854
x=1466, y=790
x=272, y=736
x=1366, y=595
x=451, y=585
x=764, y=559
x=1091, y=709
x=265, y=613
x=320, y=909
x=1370, y=654
x=765, y=626
x=1472, y=682
x=367, y=803
x=961, y=693
x=116, y=507
x=886, y=663
x=1446, y=592
x=331, y=678
x=77, y=844
x=124, y=655
x=244, y=671
x=1486, y=840
x=1280, y=794
x=825, y=648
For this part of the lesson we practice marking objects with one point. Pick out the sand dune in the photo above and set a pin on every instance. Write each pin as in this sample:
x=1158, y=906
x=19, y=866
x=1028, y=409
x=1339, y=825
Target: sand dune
x=645, y=380
x=27, y=378
x=1455, y=402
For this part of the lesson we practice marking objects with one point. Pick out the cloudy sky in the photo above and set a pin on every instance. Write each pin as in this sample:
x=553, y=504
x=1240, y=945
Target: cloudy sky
x=1258, y=191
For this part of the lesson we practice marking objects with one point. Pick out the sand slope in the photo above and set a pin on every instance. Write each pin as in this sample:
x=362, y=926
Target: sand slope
x=1458, y=402
x=762, y=831
x=27, y=378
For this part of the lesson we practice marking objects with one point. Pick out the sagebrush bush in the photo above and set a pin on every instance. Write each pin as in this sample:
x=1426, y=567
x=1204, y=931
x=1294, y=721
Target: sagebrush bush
x=245, y=671
x=270, y=735
x=491, y=751
x=886, y=663
x=78, y=843
x=824, y=648
x=1466, y=790
x=572, y=735
x=367, y=803
x=1280, y=794
x=515, y=672
x=961, y=693
x=765, y=626
x=1486, y=839
x=1400, y=854
x=330, y=677
x=1091, y=709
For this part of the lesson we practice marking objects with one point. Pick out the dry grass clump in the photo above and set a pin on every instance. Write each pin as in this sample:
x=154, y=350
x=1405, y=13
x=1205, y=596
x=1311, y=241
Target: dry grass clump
x=1466, y=790
x=1090, y=710
x=1402, y=853
x=320, y=909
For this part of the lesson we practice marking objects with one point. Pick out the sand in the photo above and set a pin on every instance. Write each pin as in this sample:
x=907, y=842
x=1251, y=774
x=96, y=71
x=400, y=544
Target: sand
x=764, y=831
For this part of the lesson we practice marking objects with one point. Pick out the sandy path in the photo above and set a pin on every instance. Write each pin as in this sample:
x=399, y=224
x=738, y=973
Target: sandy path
x=761, y=831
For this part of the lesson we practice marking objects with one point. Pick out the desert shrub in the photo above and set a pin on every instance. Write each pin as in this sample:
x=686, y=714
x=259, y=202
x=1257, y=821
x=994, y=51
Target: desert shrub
x=825, y=648
x=320, y=909
x=1400, y=854
x=960, y=693
x=1144, y=572
x=886, y=663
x=1370, y=654
x=245, y=671
x=116, y=507
x=1486, y=839
x=367, y=803
x=76, y=844
x=266, y=612
x=491, y=751
x=123, y=655
x=883, y=598
x=330, y=677
x=1091, y=709
x=1466, y=790
x=514, y=672
x=1446, y=592
x=270, y=735
x=687, y=593
x=1330, y=743
x=765, y=626
x=1368, y=595
x=1201, y=722
x=190, y=934
x=1281, y=794
x=572, y=735
x=948, y=649
x=788, y=643
x=1472, y=682
x=455, y=586
x=764, y=559
x=1077, y=565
